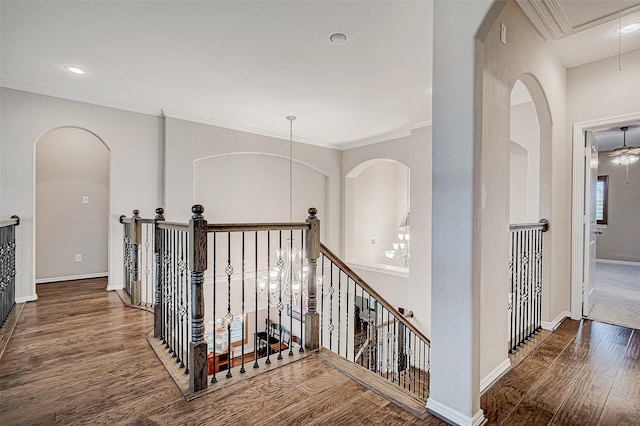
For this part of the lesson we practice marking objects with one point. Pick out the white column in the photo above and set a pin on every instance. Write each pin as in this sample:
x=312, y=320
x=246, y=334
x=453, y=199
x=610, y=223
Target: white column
x=455, y=356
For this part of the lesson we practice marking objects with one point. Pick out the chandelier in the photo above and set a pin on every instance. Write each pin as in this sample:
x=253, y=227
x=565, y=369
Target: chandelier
x=289, y=275
x=625, y=155
x=399, y=256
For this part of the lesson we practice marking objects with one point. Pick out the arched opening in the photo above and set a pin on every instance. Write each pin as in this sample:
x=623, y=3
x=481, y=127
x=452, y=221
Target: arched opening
x=71, y=205
x=524, y=157
x=377, y=211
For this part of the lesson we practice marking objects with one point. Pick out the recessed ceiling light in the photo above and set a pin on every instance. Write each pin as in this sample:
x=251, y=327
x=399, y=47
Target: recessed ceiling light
x=338, y=38
x=629, y=27
x=75, y=70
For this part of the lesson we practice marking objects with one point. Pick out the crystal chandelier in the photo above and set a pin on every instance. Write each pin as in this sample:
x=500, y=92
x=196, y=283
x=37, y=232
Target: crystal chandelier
x=289, y=275
x=399, y=256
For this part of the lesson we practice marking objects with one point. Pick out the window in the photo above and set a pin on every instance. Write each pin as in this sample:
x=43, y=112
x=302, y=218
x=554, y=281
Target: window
x=602, y=199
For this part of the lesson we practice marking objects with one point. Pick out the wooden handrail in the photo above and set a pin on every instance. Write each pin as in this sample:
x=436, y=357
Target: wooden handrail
x=543, y=226
x=15, y=220
x=237, y=227
x=176, y=226
x=365, y=345
x=337, y=261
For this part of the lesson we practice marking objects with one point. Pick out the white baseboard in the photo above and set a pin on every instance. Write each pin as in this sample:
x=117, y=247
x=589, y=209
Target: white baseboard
x=618, y=262
x=556, y=321
x=115, y=287
x=23, y=299
x=455, y=417
x=71, y=278
x=495, y=375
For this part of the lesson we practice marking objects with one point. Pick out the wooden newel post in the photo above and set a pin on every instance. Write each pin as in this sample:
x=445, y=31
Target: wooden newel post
x=159, y=284
x=312, y=249
x=198, y=264
x=136, y=239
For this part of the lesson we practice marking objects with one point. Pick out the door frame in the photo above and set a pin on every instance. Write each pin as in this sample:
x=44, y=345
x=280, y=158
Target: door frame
x=577, y=206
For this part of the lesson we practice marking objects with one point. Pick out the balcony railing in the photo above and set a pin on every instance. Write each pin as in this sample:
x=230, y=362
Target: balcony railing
x=7, y=267
x=231, y=299
x=525, y=270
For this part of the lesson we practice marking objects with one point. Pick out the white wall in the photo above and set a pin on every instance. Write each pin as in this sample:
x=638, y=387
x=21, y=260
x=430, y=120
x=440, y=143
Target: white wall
x=71, y=163
x=518, y=171
x=526, y=52
x=599, y=90
x=413, y=292
x=135, y=177
x=248, y=187
x=186, y=143
x=525, y=131
x=376, y=206
x=620, y=239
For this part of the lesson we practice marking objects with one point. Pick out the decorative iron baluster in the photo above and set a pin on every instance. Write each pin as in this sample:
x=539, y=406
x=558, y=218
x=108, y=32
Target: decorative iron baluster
x=255, y=339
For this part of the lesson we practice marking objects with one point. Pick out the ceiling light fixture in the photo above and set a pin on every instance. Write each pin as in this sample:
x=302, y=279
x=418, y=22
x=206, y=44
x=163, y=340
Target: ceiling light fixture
x=628, y=27
x=338, y=38
x=75, y=70
x=625, y=155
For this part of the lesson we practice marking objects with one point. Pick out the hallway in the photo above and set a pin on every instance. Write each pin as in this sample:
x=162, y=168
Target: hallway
x=79, y=356
x=616, y=294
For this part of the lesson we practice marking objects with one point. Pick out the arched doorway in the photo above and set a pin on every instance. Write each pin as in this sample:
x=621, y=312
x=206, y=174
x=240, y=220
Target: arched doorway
x=71, y=205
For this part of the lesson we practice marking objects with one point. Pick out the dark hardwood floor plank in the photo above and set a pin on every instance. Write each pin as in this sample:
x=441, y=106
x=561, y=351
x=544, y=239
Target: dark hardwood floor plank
x=620, y=412
x=585, y=402
x=554, y=385
x=78, y=356
x=527, y=414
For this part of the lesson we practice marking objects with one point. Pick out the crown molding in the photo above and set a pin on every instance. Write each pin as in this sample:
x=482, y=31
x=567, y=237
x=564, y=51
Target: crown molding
x=385, y=137
x=72, y=96
x=161, y=112
x=243, y=128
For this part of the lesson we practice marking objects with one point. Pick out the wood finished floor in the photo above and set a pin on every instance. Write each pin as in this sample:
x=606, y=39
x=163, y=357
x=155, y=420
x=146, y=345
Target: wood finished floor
x=78, y=356
x=585, y=373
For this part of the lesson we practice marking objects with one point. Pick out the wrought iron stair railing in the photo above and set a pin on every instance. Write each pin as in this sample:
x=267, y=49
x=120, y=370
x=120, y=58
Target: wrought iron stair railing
x=360, y=325
x=525, y=271
x=7, y=267
x=231, y=299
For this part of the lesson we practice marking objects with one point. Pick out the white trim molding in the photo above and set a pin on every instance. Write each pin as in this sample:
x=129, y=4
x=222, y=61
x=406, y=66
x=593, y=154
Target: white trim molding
x=618, y=262
x=23, y=299
x=455, y=417
x=495, y=375
x=553, y=324
x=577, y=214
x=71, y=278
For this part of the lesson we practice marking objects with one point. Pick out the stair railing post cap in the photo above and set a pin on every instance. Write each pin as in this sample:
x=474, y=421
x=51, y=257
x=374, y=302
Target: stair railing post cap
x=159, y=211
x=136, y=212
x=313, y=211
x=197, y=209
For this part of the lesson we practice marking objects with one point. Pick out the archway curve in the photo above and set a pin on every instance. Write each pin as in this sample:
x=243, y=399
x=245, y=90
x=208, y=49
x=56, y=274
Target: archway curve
x=43, y=134
x=94, y=182
x=354, y=172
x=376, y=197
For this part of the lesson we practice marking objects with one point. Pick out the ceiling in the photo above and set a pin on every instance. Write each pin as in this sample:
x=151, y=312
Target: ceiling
x=239, y=64
x=247, y=65
x=611, y=137
x=584, y=31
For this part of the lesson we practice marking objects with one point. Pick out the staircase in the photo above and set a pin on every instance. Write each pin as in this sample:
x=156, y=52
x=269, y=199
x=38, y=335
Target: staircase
x=263, y=295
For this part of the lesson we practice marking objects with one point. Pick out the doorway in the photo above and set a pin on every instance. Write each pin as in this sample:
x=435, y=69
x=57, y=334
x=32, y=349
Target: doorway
x=596, y=292
x=71, y=205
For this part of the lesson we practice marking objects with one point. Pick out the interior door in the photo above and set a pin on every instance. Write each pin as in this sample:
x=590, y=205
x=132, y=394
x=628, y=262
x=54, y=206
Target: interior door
x=590, y=229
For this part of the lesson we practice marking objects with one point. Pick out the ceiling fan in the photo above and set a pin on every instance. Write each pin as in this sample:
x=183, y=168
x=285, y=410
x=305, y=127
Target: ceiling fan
x=625, y=155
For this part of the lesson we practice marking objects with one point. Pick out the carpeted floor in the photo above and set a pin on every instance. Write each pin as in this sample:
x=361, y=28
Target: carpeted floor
x=616, y=295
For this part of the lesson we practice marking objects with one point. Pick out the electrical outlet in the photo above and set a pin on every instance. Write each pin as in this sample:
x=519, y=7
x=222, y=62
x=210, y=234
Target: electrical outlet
x=374, y=241
x=503, y=33
x=85, y=199
x=78, y=257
